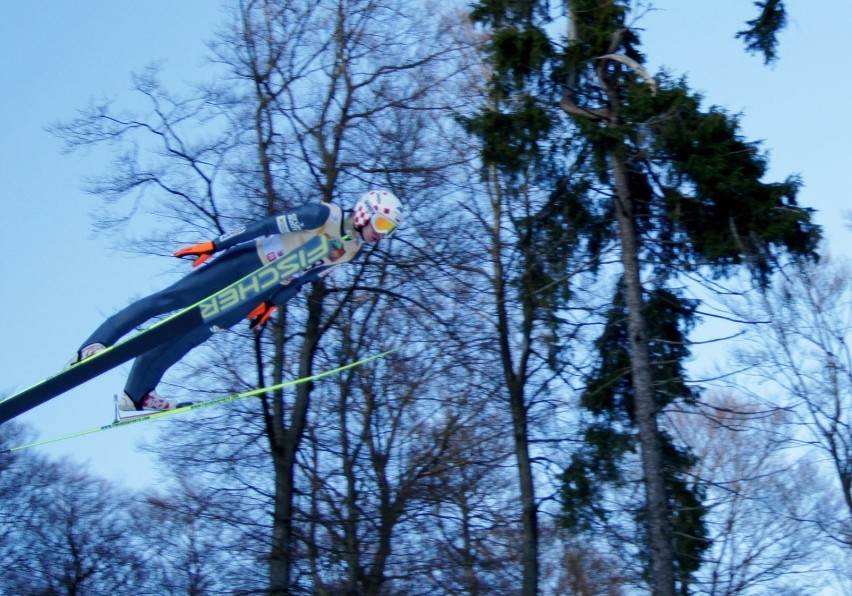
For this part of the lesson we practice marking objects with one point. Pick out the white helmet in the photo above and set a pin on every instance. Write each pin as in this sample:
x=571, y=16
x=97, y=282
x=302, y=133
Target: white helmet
x=381, y=208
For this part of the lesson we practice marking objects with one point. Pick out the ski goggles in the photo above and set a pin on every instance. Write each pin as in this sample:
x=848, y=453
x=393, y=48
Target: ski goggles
x=383, y=224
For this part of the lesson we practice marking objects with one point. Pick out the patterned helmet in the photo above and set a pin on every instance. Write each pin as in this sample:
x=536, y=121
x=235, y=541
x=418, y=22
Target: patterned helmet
x=381, y=208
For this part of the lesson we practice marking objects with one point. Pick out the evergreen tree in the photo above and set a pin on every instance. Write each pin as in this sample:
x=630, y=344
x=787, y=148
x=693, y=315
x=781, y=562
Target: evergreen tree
x=634, y=161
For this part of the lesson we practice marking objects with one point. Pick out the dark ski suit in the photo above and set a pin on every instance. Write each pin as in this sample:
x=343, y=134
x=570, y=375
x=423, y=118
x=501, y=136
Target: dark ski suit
x=245, y=250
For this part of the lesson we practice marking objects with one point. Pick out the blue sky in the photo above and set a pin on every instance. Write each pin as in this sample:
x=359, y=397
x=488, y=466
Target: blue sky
x=60, y=279
x=798, y=107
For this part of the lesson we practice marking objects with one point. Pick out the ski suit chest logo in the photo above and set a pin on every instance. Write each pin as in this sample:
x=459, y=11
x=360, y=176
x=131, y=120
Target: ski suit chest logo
x=259, y=283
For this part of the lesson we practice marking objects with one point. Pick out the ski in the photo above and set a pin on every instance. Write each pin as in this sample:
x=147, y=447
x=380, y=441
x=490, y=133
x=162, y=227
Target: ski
x=146, y=416
x=280, y=271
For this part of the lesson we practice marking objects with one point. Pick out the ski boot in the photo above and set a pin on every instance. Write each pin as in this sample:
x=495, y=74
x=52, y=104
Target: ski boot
x=86, y=352
x=151, y=403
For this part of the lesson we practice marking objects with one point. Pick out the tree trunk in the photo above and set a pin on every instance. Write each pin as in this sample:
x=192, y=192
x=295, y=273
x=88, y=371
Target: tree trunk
x=657, y=515
x=280, y=556
x=529, y=517
x=515, y=387
x=285, y=448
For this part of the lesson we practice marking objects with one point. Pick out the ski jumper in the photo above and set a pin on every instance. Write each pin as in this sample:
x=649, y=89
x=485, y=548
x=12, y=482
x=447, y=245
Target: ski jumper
x=245, y=250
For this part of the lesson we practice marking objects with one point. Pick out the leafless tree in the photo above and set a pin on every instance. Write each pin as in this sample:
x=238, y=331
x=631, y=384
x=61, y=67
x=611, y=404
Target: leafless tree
x=758, y=512
x=337, y=110
x=800, y=360
x=190, y=543
x=318, y=100
x=65, y=531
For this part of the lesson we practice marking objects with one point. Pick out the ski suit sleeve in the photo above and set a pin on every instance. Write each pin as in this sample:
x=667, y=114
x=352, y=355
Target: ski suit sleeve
x=305, y=218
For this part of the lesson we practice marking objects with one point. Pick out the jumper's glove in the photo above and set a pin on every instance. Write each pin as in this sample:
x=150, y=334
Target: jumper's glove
x=260, y=315
x=202, y=252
